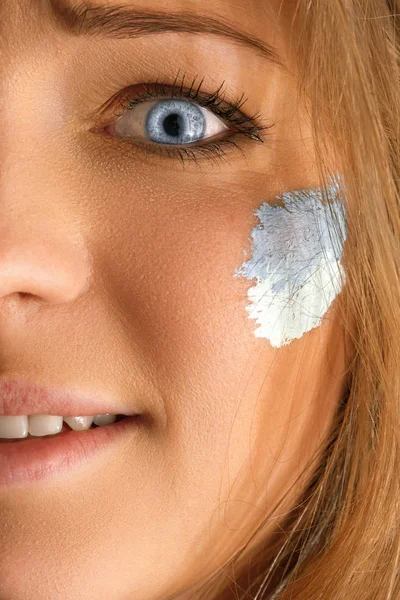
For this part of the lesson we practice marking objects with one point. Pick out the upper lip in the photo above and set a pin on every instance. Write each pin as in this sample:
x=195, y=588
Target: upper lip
x=18, y=397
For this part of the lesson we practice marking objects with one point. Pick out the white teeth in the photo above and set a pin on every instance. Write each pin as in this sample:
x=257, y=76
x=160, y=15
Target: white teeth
x=18, y=427
x=13, y=427
x=104, y=419
x=79, y=423
x=44, y=424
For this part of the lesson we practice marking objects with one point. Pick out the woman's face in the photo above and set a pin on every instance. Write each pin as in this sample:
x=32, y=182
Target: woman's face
x=118, y=256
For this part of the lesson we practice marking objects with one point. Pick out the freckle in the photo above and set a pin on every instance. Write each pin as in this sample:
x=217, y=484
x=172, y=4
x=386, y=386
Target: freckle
x=296, y=261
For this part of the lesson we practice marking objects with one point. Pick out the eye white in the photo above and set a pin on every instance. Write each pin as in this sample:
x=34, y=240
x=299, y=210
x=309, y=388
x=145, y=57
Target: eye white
x=169, y=121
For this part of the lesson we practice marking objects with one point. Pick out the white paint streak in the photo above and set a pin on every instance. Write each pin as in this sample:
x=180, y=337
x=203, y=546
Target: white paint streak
x=295, y=260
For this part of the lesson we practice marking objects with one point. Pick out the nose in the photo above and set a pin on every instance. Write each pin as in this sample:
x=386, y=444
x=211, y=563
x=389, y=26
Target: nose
x=42, y=250
x=43, y=253
x=42, y=258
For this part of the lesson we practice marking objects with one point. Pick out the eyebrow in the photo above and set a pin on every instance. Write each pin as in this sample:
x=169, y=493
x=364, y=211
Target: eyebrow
x=124, y=22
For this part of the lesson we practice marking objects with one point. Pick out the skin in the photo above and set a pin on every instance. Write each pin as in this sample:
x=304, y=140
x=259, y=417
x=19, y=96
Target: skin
x=116, y=276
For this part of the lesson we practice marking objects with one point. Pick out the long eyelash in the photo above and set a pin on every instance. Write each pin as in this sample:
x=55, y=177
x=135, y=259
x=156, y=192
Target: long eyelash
x=251, y=127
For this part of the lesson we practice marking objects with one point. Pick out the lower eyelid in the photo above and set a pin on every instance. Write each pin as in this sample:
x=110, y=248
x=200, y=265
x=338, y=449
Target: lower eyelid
x=221, y=151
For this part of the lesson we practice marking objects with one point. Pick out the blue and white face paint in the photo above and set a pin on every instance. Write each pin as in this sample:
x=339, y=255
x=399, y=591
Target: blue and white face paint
x=296, y=254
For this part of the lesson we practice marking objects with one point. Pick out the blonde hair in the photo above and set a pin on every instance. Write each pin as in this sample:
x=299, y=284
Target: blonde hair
x=342, y=539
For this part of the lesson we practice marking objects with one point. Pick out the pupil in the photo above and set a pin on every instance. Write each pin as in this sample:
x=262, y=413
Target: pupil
x=172, y=125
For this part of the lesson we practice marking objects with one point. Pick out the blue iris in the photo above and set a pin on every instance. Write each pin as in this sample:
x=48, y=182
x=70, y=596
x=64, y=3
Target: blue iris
x=175, y=122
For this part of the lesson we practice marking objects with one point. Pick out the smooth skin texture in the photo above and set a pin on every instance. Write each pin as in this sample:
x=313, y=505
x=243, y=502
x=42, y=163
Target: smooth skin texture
x=116, y=277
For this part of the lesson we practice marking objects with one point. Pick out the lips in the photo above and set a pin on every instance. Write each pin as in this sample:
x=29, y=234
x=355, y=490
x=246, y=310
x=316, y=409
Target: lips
x=36, y=458
x=21, y=397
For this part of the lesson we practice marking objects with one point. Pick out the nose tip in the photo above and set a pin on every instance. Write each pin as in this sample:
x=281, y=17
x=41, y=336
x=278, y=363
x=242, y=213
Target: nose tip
x=52, y=269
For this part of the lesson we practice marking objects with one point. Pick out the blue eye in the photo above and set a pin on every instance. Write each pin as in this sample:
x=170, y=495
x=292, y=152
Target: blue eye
x=175, y=122
x=169, y=122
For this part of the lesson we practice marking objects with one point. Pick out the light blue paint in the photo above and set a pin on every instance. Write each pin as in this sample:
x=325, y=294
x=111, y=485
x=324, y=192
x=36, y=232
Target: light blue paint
x=296, y=254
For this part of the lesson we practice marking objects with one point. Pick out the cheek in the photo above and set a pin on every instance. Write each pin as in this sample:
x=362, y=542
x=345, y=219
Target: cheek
x=183, y=301
x=240, y=412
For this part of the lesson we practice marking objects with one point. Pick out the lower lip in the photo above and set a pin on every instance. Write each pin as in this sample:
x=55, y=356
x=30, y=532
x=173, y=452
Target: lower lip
x=35, y=459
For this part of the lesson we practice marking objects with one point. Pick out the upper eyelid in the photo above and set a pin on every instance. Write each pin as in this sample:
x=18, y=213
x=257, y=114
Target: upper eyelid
x=222, y=108
x=201, y=99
